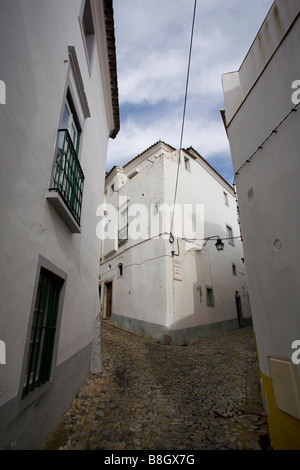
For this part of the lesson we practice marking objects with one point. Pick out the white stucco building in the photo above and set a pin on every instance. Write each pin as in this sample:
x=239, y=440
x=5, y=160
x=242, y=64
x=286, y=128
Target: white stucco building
x=58, y=65
x=262, y=119
x=177, y=289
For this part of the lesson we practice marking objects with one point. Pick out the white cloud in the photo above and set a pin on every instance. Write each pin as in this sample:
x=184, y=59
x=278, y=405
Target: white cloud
x=206, y=136
x=158, y=77
x=135, y=137
x=153, y=38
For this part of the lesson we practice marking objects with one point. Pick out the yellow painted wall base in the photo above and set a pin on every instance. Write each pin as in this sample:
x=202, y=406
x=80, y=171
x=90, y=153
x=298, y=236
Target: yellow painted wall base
x=284, y=429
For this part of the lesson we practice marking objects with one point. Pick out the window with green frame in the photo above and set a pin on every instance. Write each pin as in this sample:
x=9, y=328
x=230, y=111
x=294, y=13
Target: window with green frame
x=68, y=177
x=42, y=337
x=70, y=122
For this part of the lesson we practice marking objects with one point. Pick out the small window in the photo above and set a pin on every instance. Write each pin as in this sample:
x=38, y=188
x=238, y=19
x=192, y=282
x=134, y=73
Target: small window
x=120, y=270
x=230, y=235
x=210, y=296
x=40, y=355
x=226, y=198
x=187, y=164
x=112, y=189
x=250, y=193
x=123, y=227
x=88, y=30
x=155, y=207
x=234, y=271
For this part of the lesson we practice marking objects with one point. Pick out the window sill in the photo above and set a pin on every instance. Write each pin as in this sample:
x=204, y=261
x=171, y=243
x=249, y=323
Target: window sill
x=59, y=205
x=35, y=396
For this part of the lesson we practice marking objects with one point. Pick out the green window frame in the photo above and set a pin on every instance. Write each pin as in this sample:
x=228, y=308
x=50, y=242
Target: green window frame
x=66, y=185
x=70, y=122
x=68, y=177
x=43, y=330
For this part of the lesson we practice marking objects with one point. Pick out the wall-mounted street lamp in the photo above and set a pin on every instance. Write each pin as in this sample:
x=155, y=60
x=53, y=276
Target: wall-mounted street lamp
x=219, y=244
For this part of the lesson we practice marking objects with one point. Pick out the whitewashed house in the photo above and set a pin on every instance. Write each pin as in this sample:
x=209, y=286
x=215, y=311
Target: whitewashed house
x=262, y=118
x=159, y=275
x=58, y=65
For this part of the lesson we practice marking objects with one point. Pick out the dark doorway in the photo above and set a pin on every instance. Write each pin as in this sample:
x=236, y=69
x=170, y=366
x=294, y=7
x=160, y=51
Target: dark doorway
x=108, y=299
x=239, y=309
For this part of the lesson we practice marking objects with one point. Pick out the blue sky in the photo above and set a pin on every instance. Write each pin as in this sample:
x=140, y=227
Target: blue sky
x=152, y=43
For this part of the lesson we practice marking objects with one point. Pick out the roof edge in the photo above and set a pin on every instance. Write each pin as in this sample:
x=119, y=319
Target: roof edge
x=190, y=151
x=112, y=61
x=147, y=150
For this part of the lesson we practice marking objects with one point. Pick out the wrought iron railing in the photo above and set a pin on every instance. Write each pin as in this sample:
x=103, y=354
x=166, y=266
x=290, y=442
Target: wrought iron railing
x=123, y=235
x=68, y=177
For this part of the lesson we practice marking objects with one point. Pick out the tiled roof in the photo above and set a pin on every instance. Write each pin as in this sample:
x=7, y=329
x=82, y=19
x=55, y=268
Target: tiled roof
x=138, y=156
x=144, y=151
x=112, y=60
x=190, y=151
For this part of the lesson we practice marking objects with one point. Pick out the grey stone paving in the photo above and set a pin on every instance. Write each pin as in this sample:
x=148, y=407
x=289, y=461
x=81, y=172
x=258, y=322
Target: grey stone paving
x=160, y=397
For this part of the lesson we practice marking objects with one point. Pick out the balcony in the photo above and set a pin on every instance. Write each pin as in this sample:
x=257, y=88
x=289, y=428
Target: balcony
x=66, y=189
x=123, y=235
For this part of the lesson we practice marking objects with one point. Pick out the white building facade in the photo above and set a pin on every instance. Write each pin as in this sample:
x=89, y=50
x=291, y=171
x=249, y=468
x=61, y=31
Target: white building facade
x=262, y=119
x=159, y=275
x=61, y=107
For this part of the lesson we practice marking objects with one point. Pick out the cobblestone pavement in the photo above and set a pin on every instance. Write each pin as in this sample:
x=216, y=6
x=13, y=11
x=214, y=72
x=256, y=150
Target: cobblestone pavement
x=158, y=397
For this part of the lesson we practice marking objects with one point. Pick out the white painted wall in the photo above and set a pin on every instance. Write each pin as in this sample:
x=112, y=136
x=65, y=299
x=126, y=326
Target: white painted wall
x=147, y=291
x=34, y=53
x=207, y=266
x=272, y=213
x=133, y=294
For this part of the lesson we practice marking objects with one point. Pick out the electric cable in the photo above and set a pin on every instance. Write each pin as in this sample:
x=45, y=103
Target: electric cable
x=184, y=111
x=274, y=131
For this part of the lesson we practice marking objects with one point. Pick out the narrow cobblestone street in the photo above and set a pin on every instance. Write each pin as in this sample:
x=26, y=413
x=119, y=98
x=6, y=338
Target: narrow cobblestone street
x=158, y=397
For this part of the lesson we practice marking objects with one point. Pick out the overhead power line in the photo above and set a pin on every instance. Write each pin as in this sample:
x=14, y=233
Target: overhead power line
x=184, y=106
x=274, y=131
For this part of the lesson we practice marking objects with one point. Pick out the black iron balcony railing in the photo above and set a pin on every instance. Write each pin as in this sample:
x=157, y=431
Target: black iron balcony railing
x=68, y=177
x=123, y=235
